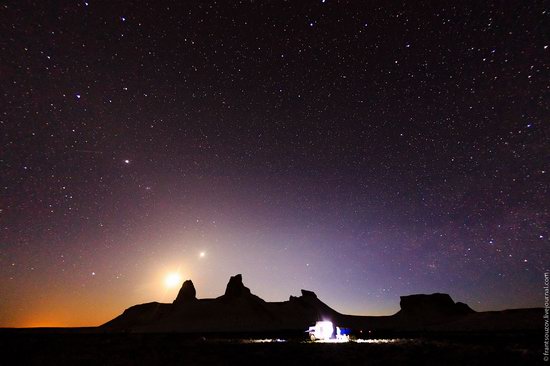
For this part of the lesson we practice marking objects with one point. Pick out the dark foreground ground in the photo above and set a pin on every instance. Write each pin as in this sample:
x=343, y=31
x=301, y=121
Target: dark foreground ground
x=19, y=347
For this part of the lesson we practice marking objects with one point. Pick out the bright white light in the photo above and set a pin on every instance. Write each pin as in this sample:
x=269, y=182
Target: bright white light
x=326, y=329
x=321, y=331
x=172, y=280
x=202, y=254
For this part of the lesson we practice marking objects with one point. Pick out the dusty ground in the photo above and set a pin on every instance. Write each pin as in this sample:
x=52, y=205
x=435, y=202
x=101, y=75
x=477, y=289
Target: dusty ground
x=19, y=348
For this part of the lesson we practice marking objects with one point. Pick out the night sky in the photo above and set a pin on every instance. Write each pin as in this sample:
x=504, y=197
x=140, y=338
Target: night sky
x=362, y=150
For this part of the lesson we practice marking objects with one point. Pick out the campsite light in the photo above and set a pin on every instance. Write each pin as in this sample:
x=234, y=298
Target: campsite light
x=322, y=330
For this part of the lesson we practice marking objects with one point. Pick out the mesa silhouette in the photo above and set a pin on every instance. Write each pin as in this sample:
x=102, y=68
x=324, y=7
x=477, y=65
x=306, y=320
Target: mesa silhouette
x=238, y=310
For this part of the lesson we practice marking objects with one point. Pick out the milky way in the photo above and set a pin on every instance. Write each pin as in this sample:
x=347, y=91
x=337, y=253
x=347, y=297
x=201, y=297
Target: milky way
x=362, y=151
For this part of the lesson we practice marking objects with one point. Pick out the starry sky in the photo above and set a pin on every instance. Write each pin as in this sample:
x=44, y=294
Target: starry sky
x=360, y=149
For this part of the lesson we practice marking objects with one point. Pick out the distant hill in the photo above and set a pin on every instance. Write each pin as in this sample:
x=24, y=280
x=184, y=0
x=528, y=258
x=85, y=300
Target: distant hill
x=238, y=310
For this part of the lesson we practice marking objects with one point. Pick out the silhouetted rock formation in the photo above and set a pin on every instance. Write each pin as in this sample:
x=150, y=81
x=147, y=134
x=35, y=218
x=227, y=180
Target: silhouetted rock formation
x=235, y=287
x=187, y=293
x=434, y=305
x=462, y=308
x=238, y=310
x=307, y=293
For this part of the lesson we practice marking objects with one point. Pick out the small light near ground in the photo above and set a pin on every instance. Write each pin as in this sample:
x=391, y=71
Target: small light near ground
x=377, y=341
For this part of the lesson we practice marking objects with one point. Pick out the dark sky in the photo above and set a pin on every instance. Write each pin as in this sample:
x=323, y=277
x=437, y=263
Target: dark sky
x=364, y=150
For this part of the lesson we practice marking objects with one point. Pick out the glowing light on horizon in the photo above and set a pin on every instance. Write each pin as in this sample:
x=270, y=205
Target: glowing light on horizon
x=172, y=280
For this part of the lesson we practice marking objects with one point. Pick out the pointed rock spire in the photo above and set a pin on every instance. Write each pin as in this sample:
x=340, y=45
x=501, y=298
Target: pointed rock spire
x=235, y=287
x=187, y=293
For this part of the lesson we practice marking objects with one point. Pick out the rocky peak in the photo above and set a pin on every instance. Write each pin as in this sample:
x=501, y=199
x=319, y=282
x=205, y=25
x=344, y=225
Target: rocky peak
x=187, y=293
x=432, y=305
x=235, y=287
x=306, y=293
